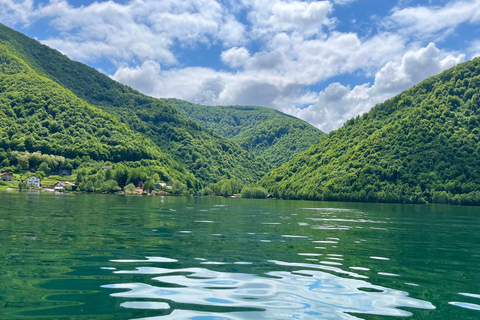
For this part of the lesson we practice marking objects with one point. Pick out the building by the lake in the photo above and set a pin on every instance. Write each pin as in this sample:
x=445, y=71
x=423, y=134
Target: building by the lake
x=33, y=182
x=6, y=176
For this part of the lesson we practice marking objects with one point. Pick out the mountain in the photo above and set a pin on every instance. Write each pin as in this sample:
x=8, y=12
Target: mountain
x=207, y=155
x=265, y=132
x=37, y=114
x=420, y=146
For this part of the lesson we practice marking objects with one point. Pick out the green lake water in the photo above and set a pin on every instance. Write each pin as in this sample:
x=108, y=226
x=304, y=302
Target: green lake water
x=74, y=256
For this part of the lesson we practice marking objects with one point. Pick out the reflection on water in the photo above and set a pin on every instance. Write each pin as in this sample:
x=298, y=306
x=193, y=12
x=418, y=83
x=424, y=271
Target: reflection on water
x=84, y=257
x=303, y=293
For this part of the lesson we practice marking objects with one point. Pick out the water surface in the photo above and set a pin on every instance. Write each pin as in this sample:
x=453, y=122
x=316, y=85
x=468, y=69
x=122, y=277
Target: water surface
x=116, y=257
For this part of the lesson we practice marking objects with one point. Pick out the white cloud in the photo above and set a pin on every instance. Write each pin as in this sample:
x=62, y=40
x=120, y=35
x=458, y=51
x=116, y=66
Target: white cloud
x=343, y=2
x=232, y=32
x=275, y=49
x=143, y=78
x=300, y=16
x=338, y=103
x=422, y=21
x=136, y=31
x=475, y=49
x=16, y=11
x=328, y=109
x=235, y=57
x=307, y=18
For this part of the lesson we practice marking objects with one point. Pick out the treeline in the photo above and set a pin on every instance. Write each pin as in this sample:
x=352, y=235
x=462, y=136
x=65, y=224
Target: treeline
x=39, y=117
x=279, y=140
x=232, y=187
x=420, y=146
x=265, y=132
x=122, y=177
x=107, y=177
x=208, y=156
x=227, y=121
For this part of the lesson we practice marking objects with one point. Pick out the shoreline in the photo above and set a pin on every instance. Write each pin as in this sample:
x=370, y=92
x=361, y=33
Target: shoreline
x=165, y=194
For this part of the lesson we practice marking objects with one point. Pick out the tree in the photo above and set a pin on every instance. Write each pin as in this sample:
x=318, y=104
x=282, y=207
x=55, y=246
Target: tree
x=148, y=186
x=178, y=188
x=40, y=174
x=253, y=191
x=110, y=186
x=130, y=188
x=109, y=174
x=22, y=185
x=89, y=186
x=5, y=163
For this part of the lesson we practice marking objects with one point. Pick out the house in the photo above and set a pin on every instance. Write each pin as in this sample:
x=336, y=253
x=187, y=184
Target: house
x=106, y=167
x=33, y=182
x=64, y=172
x=160, y=186
x=59, y=186
x=6, y=176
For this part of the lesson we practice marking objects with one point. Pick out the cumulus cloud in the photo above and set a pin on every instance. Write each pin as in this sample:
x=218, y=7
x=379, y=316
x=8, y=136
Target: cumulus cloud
x=338, y=103
x=327, y=110
x=422, y=21
x=268, y=18
x=273, y=51
x=343, y=2
x=144, y=78
x=303, y=16
x=16, y=11
x=235, y=57
x=132, y=32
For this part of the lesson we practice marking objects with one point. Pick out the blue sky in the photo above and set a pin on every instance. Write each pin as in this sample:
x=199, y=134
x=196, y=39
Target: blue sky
x=322, y=61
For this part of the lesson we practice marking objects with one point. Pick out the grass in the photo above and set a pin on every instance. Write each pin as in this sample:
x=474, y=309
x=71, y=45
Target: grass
x=4, y=185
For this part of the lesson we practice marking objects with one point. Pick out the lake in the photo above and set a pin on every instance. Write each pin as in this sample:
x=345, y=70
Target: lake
x=79, y=256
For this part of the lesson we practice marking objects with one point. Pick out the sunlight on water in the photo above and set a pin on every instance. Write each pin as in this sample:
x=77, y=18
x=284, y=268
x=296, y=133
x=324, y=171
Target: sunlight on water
x=277, y=294
x=466, y=305
x=107, y=257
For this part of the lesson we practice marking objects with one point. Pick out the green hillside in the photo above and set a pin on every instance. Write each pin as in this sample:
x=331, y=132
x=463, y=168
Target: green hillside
x=37, y=114
x=265, y=132
x=420, y=146
x=208, y=156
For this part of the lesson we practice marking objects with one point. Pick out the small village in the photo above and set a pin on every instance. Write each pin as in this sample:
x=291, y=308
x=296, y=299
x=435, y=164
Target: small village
x=64, y=181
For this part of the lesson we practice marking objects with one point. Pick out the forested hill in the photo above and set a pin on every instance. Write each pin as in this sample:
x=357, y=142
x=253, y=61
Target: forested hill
x=37, y=114
x=263, y=131
x=208, y=156
x=420, y=146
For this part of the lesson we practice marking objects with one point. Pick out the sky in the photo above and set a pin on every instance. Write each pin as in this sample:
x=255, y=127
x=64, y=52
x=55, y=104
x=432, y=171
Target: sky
x=322, y=61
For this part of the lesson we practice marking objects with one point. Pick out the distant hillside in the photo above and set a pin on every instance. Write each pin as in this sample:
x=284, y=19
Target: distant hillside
x=208, y=156
x=420, y=146
x=37, y=114
x=265, y=132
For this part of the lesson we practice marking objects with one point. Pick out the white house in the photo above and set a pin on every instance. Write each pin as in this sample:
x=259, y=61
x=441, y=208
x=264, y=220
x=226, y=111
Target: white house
x=33, y=182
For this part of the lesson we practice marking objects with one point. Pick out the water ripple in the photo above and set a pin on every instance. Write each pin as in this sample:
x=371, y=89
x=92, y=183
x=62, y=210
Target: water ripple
x=307, y=293
x=466, y=305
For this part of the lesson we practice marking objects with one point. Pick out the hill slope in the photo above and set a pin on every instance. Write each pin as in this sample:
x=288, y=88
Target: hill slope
x=422, y=145
x=37, y=114
x=265, y=132
x=208, y=156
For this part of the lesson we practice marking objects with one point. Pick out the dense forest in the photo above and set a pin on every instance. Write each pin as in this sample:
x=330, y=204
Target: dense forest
x=208, y=156
x=265, y=132
x=38, y=116
x=420, y=146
